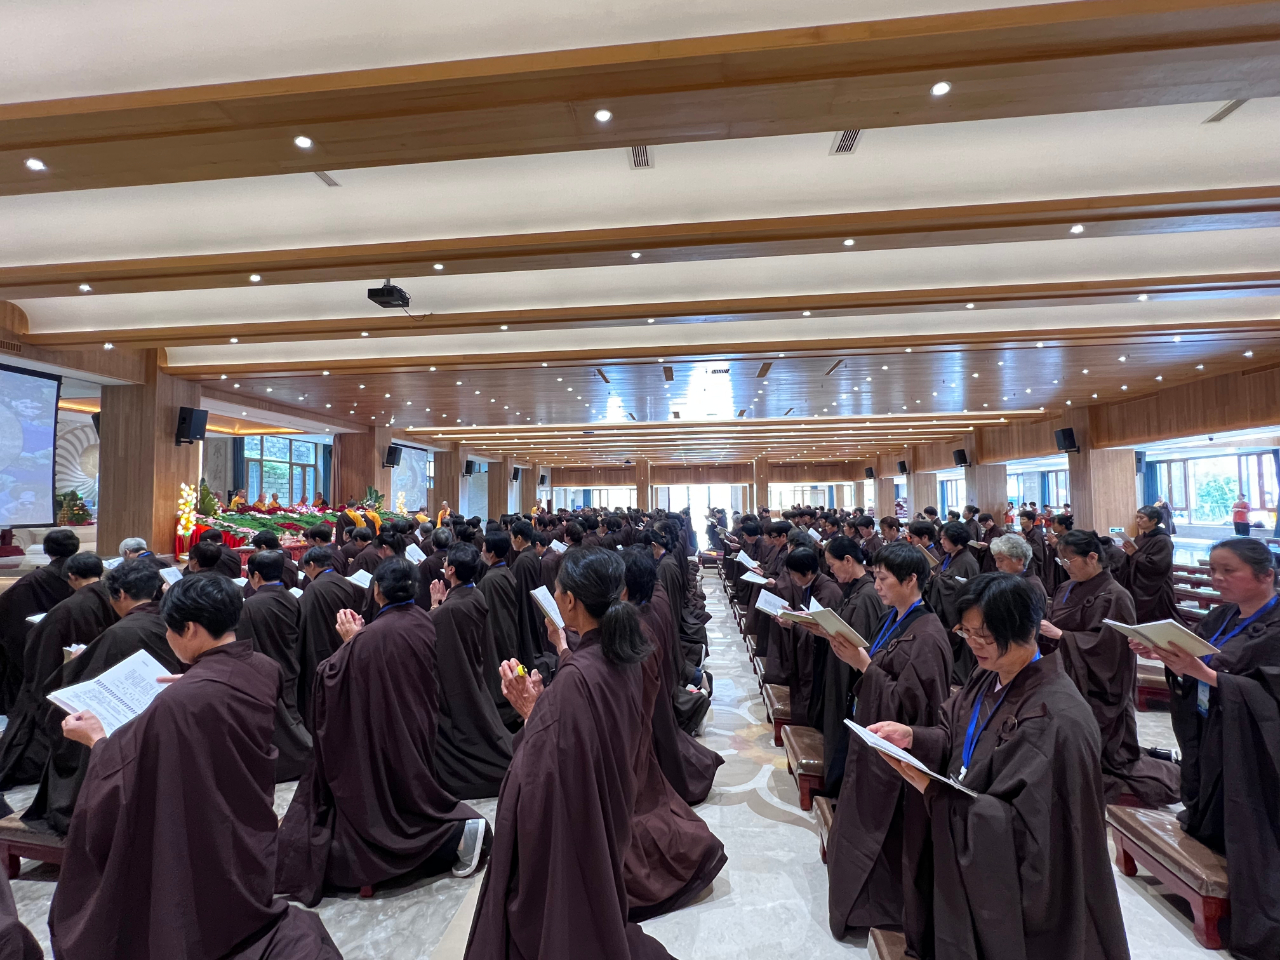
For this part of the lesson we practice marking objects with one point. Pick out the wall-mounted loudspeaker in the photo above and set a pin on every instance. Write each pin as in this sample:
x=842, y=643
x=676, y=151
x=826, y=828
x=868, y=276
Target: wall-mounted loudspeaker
x=192, y=422
x=392, y=459
x=97, y=424
x=543, y=479
x=960, y=457
x=870, y=472
x=1139, y=461
x=468, y=468
x=1066, y=440
x=515, y=474
x=902, y=467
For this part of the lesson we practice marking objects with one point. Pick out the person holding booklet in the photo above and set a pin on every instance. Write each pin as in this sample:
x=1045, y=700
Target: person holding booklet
x=172, y=846
x=906, y=673
x=1148, y=574
x=1223, y=707
x=1022, y=868
x=794, y=644
x=1098, y=660
x=958, y=567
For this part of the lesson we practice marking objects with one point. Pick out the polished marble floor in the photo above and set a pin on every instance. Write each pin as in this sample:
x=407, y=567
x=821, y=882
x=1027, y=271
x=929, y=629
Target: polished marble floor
x=770, y=901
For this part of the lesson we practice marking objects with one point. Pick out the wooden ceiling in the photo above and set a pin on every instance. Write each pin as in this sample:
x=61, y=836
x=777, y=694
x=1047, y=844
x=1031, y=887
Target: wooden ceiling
x=541, y=382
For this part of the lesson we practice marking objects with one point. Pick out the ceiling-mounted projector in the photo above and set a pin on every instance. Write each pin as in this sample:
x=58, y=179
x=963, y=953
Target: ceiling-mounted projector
x=389, y=296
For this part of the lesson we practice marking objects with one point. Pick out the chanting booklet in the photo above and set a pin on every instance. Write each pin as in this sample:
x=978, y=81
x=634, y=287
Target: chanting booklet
x=414, y=552
x=361, y=578
x=933, y=561
x=542, y=597
x=112, y=563
x=876, y=742
x=170, y=575
x=1166, y=635
x=558, y=546
x=35, y=618
x=830, y=621
x=817, y=537
x=771, y=603
x=752, y=577
x=753, y=565
x=117, y=695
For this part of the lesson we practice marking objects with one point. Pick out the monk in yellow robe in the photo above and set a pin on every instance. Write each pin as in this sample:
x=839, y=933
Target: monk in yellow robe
x=238, y=500
x=275, y=502
x=375, y=521
x=261, y=502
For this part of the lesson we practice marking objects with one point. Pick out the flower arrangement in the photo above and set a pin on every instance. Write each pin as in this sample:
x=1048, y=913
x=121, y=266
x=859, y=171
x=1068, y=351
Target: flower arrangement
x=186, y=510
x=400, y=503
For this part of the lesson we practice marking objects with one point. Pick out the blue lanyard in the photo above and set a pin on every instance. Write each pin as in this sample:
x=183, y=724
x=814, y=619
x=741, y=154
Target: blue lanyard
x=1070, y=584
x=1239, y=627
x=402, y=603
x=946, y=563
x=888, y=629
x=974, y=733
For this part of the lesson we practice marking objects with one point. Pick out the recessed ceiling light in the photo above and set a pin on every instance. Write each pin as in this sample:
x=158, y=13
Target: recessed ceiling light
x=974, y=375
x=364, y=333
x=1199, y=366
x=302, y=398
x=255, y=277
x=805, y=314
x=1039, y=344
x=940, y=89
x=604, y=116
x=223, y=377
x=1078, y=228
x=85, y=288
x=1095, y=396
x=1068, y=403
x=503, y=327
x=1142, y=297
x=884, y=368
x=302, y=142
x=848, y=243
x=908, y=350
x=1177, y=338
x=1085, y=370
x=1124, y=386
x=999, y=363
x=236, y=385
x=269, y=389
x=434, y=367
x=1028, y=390
x=108, y=346
x=1248, y=353
x=328, y=406
x=387, y=396
x=1160, y=378
x=968, y=306
x=362, y=386
x=34, y=163
x=1122, y=358
x=235, y=339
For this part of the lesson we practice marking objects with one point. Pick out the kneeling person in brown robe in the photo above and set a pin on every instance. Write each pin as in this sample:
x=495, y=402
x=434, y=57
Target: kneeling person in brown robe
x=370, y=806
x=172, y=846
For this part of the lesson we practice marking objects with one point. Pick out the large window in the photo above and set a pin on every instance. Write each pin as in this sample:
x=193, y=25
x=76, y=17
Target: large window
x=1171, y=485
x=603, y=498
x=951, y=496
x=1215, y=481
x=278, y=466
x=1258, y=480
x=1058, y=490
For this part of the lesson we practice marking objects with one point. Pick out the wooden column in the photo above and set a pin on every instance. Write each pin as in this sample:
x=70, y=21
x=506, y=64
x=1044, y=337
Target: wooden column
x=140, y=467
x=860, y=494
x=499, y=486
x=760, y=482
x=884, y=497
x=922, y=491
x=986, y=488
x=448, y=474
x=357, y=465
x=644, y=485
x=528, y=488
x=1103, y=483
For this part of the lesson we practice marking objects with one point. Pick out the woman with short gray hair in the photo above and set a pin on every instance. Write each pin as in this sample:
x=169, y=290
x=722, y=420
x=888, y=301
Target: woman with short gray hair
x=1013, y=554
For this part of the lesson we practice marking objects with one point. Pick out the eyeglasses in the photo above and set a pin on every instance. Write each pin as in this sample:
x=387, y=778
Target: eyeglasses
x=983, y=639
x=1067, y=562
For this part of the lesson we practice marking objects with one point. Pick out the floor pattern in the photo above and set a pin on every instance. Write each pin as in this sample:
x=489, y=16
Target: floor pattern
x=769, y=902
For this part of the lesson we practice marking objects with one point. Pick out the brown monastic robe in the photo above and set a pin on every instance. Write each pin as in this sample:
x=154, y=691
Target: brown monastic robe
x=172, y=846
x=318, y=631
x=369, y=806
x=270, y=620
x=1022, y=870
x=502, y=631
x=801, y=646
x=535, y=651
x=140, y=629
x=77, y=620
x=1102, y=666
x=36, y=592
x=1039, y=551
x=986, y=561
x=1037, y=587
x=564, y=822
x=473, y=748
x=1229, y=759
x=772, y=562
x=860, y=607
x=367, y=559
x=907, y=681
x=1148, y=576
x=673, y=856
x=945, y=587
x=16, y=941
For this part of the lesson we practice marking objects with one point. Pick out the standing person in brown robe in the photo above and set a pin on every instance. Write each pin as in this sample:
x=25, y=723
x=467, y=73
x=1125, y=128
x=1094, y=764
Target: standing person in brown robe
x=958, y=567
x=16, y=941
x=1098, y=660
x=1034, y=536
x=265, y=540
x=906, y=674
x=1020, y=870
x=673, y=856
x=1148, y=576
x=370, y=807
x=321, y=535
x=36, y=592
x=473, y=748
x=869, y=539
x=1054, y=573
x=270, y=620
x=796, y=644
x=318, y=637
x=502, y=627
x=171, y=851
x=228, y=563
x=358, y=541
x=1225, y=713
x=75, y=621
x=773, y=557
x=131, y=586
x=564, y=813
x=860, y=607
x=971, y=524
x=526, y=570
x=1013, y=555
x=432, y=568
x=990, y=531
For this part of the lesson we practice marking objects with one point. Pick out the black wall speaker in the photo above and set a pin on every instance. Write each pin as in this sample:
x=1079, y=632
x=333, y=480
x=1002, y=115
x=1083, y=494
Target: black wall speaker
x=1066, y=440
x=543, y=479
x=515, y=474
x=1139, y=461
x=870, y=472
x=960, y=457
x=192, y=422
x=392, y=459
x=902, y=467
x=468, y=468
x=97, y=424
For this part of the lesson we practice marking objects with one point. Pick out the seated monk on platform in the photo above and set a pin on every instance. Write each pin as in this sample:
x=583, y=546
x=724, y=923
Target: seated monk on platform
x=239, y=499
x=261, y=502
x=370, y=807
x=275, y=502
x=319, y=502
x=172, y=844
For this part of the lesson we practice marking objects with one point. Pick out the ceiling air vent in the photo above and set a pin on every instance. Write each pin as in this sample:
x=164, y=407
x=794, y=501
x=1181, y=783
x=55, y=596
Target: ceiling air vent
x=1225, y=111
x=669, y=374
x=721, y=370
x=845, y=142
x=10, y=346
x=639, y=158
x=327, y=180
x=602, y=376
x=764, y=370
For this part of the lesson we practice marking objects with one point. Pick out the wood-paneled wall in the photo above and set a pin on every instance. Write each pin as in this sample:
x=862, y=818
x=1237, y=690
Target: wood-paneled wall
x=701, y=473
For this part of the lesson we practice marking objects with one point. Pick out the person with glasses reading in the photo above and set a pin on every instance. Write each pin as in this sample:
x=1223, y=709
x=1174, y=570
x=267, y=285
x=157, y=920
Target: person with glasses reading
x=1221, y=708
x=1099, y=661
x=1021, y=868
x=906, y=674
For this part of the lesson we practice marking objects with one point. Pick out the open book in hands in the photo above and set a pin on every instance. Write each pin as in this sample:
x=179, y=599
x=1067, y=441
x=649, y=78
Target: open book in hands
x=933, y=561
x=831, y=622
x=1165, y=635
x=117, y=695
x=879, y=743
x=753, y=565
x=771, y=603
x=547, y=603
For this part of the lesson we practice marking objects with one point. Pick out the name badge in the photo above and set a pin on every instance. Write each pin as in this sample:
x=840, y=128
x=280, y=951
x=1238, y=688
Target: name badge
x=1202, y=699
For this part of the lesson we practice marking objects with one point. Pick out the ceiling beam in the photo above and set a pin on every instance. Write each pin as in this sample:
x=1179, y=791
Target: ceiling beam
x=1033, y=60
x=1014, y=222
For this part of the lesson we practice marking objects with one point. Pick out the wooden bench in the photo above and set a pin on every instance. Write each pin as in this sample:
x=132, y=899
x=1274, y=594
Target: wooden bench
x=777, y=704
x=886, y=944
x=826, y=811
x=18, y=839
x=1150, y=686
x=804, y=761
x=1204, y=599
x=1155, y=839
